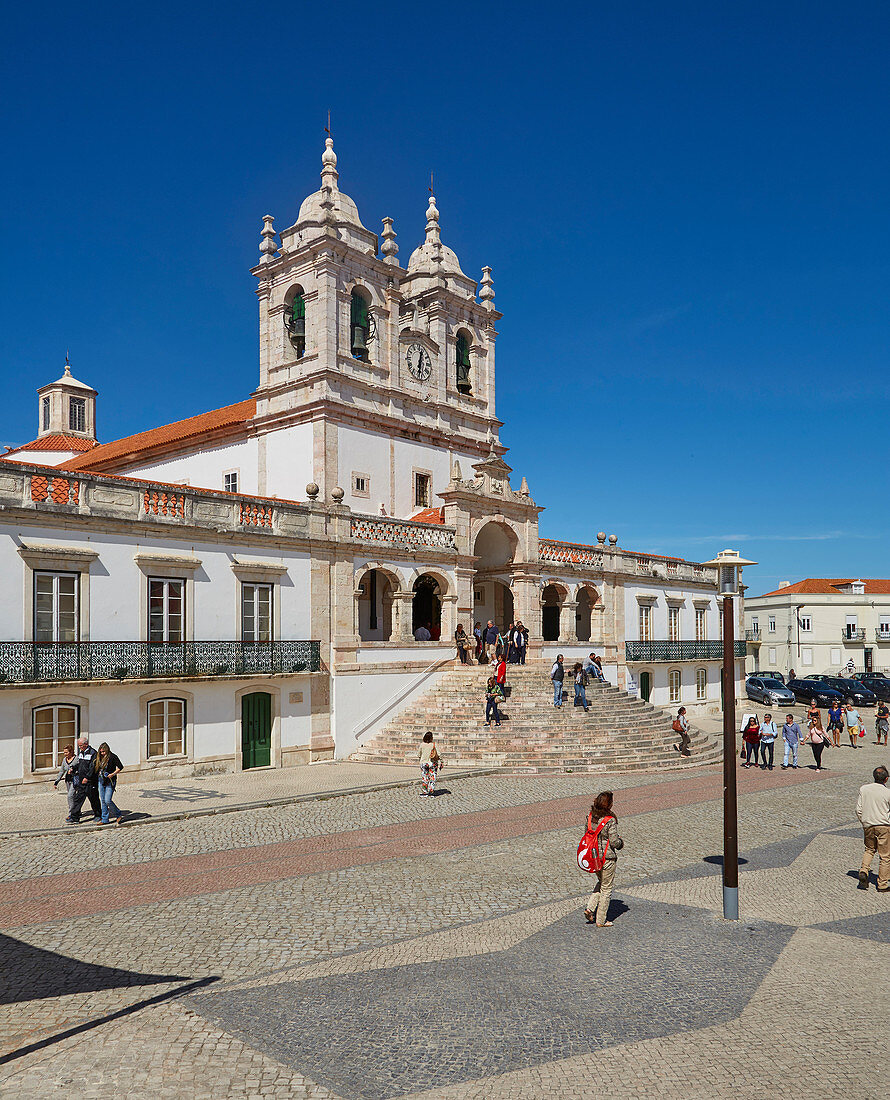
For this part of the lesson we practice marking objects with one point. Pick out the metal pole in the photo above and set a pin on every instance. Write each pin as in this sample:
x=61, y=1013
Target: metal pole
x=730, y=806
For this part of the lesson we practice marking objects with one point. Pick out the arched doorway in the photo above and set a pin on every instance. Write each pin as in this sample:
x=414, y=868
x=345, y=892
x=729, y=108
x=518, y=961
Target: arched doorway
x=426, y=606
x=587, y=600
x=551, y=607
x=374, y=595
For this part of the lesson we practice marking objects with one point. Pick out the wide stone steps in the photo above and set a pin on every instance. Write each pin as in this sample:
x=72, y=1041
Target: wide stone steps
x=618, y=733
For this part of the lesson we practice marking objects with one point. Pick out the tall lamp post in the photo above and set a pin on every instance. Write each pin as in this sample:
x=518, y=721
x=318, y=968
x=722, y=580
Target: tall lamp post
x=728, y=564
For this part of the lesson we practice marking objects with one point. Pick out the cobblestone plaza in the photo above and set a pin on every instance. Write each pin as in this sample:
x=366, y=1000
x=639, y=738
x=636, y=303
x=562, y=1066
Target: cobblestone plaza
x=378, y=944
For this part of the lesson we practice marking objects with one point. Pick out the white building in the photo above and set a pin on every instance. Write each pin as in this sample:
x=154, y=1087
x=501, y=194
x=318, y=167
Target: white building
x=820, y=625
x=241, y=588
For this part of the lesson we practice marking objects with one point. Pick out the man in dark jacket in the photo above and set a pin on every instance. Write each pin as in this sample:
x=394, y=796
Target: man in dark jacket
x=85, y=784
x=490, y=639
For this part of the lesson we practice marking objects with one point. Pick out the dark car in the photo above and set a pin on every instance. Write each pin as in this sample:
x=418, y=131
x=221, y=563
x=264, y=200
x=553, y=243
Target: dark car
x=879, y=684
x=805, y=690
x=850, y=689
x=767, y=690
x=768, y=675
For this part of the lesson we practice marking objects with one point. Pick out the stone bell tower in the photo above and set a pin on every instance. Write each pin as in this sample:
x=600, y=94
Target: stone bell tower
x=67, y=407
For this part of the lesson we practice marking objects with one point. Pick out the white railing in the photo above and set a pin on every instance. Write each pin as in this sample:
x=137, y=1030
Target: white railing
x=407, y=689
x=569, y=554
x=401, y=532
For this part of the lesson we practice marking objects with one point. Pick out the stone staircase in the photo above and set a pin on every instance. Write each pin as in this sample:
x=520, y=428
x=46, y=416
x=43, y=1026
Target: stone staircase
x=618, y=733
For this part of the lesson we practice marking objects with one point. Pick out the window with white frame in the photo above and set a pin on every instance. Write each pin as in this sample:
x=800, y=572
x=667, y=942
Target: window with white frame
x=701, y=683
x=56, y=607
x=166, y=610
x=673, y=624
x=256, y=612
x=645, y=622
x=54, y=727
x=674, y=685
x=884, y=627
x=806, y=657
x=772, y=624
x=806, y=624
x=166, y=727
x=45, y=407
x=772, y=657
x=851, y=626
x=361, y=485
x=77, y=414
x=423, y=486
x=701, y=624
x=230, y=481
x=755, y=625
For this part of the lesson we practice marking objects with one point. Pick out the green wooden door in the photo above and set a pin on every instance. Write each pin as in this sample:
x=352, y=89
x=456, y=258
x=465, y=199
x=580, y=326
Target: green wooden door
x=645, y=686
x=256, y=730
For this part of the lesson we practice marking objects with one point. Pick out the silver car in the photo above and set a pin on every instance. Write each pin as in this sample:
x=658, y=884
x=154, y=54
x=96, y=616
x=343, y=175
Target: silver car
x=769, y=691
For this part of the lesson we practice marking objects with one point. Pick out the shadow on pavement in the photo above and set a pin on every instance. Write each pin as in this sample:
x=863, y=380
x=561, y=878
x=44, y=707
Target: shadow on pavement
x=718, y=860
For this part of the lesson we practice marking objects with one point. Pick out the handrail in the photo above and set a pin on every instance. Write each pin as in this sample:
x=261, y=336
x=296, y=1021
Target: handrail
x=397, y=698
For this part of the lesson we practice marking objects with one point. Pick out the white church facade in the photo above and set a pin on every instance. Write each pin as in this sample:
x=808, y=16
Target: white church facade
x=241, y=588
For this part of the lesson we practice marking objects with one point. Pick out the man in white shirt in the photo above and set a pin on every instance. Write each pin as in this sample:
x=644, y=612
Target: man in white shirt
x=873, y=811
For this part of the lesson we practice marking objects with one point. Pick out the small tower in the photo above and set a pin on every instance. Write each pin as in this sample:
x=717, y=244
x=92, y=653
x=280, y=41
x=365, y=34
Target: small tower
x=67, y=407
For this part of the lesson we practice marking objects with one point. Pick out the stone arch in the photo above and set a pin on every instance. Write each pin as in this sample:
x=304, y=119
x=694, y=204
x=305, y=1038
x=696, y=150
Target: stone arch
x=495, y=544
x=430, y=590
x=587, y=599
x=554, y=595
x=377, y=587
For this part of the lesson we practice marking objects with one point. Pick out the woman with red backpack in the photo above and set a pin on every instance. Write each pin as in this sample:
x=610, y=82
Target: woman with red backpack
x=600, y=857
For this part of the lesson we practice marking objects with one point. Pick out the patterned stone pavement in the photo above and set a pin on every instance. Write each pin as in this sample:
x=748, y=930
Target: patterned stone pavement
x=384, y=945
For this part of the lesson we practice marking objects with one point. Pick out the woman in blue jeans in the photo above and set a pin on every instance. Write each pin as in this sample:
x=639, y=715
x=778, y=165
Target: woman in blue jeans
x=107, y=767
x=493, y=695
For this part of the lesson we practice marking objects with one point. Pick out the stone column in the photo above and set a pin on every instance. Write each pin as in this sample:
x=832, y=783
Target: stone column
x=401, y=618
x=527, y=607
x=448, y=622
x=568, y=624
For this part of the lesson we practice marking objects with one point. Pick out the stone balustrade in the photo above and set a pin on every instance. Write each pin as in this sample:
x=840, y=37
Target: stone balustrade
x=402, y=533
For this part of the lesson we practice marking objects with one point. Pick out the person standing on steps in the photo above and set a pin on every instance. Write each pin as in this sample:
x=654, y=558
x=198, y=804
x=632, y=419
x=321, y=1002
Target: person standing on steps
x=429, y=764
x=477, y=634
x=500, y=675
x=557, y=675
x=598, y=905
x=681, y=726
x=521, y=642
x=791, y=737
x=873, y=811
x=580, y=685
x=490, y=639
x=494, y=695
x=462, y=643
x=768, y=735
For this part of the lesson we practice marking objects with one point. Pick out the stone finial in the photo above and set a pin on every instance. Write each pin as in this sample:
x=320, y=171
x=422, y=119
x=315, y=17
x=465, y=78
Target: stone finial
x=613, y=540
x=432, y=222
x=601, y=538
x=337, y=495
x=67, y=363
x=523, y=488
x=312, y=490
x=486, y=294
x=389, y=249
x=268, y=247
x=456, y=474
x=329, y=173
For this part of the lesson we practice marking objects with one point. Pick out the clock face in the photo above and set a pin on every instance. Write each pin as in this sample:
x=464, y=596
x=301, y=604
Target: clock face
x=419, y=363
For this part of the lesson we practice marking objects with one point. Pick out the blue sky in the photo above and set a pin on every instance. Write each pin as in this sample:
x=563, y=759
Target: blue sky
x=684, y=206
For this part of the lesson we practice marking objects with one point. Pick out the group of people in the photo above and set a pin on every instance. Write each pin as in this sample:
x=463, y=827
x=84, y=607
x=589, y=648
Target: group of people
x=90, y=774
x=582, y=675
x=489, y=643
x=762, y=736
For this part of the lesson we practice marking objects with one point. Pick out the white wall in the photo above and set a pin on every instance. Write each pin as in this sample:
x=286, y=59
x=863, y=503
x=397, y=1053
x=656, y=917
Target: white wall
x=205, y=468
x=660, y=611
x=289, y=462
x=363, y=705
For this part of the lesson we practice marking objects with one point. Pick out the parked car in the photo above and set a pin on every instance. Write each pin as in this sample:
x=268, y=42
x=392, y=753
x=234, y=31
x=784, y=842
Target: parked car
x=768, y=675
x=767, y=690
x=879, y=684
x=805, y=690
x=850, y=689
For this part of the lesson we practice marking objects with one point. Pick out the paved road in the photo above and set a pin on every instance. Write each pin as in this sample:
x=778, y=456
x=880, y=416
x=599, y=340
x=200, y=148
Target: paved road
x=385, y=945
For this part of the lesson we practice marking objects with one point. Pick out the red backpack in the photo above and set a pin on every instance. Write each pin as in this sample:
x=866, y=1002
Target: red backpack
x=590, y=856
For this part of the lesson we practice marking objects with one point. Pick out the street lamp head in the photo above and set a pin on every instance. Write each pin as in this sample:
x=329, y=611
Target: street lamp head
x=728, y=563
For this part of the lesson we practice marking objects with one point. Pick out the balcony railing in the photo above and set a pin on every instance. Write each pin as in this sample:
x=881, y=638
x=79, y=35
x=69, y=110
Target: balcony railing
x=853, y=635
x=882, y=636
x=27, y=662
x=752, y=635
x=679, y=651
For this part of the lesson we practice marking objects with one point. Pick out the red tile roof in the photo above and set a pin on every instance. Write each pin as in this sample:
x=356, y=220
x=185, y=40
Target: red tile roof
x=125, y=452
x=56, y=442
x=823, y=586
x=429, y=515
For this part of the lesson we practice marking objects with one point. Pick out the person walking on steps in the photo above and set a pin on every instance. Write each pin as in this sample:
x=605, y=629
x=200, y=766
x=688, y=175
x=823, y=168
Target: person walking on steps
x=429, y=764
x=558, y=675
x=598, y=905
x=681, y=725
x=768, y=735
x=751, y=738
x=791, y=736
x=873, y=811
x=494, y=694
x=581, y=682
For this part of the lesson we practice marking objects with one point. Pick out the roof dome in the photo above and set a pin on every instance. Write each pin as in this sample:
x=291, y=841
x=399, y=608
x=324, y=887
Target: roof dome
x=329, y=209
x=432, y=255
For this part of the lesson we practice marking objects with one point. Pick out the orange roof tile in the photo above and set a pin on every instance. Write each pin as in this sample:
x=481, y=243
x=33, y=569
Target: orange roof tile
x=56, y=442
x=824, y=586
x=429, y=515
x=124, y=452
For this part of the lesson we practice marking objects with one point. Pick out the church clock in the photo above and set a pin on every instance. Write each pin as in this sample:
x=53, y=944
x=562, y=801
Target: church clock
x=419, y=363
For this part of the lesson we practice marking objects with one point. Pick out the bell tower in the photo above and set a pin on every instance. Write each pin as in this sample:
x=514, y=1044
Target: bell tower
x=67, y=407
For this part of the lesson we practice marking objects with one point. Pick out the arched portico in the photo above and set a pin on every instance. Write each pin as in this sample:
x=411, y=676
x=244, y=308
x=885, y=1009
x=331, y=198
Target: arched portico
x=588, y=608
x=554, y=596
x=377, y=591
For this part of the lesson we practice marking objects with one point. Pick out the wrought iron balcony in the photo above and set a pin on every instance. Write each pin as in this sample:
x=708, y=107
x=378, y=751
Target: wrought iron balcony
x=28, y=662
x=650, y=652
x=853, y=635
x=882, y=637
x=753, y=636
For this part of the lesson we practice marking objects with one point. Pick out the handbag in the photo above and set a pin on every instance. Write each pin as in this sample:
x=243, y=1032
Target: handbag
x=590, y=856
